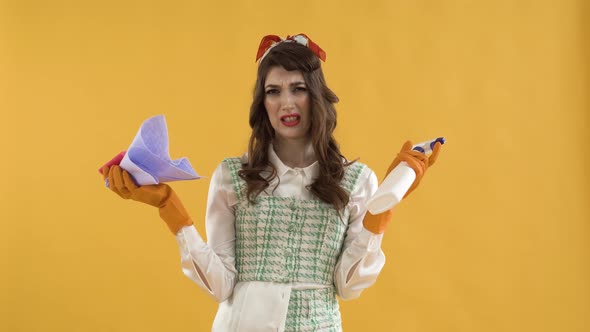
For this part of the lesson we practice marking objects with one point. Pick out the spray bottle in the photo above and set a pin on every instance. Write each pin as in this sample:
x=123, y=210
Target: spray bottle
x=397, y=183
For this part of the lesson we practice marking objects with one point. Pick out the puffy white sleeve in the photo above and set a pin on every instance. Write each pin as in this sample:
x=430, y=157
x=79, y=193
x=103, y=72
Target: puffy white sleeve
x=361, y=259
x=211, y=265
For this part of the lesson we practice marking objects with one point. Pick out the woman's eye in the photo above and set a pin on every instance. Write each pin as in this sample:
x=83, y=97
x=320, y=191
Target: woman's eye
x=272, y=91
x=300, y=88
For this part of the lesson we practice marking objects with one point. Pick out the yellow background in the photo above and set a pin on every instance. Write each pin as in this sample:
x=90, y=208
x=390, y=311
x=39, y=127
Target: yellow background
x=495, y=239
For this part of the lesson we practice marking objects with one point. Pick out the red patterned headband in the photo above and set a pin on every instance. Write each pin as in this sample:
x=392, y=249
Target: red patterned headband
x=270, y=41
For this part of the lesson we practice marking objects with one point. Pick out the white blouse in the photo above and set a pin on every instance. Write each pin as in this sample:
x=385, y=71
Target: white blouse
x=262, y=306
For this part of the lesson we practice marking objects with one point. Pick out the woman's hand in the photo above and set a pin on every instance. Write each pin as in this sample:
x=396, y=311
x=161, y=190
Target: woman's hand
x=419, y=162
x=160, y=195
x=120, y=182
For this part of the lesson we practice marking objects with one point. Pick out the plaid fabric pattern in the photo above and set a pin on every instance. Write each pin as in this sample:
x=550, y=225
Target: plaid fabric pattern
x=282, y=239
x=313, y=310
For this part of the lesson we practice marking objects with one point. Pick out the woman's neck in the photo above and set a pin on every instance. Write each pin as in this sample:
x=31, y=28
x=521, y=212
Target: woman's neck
x=295, y=153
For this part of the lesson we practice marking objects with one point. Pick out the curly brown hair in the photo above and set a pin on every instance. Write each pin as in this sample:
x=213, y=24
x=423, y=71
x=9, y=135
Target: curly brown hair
x=293, y=56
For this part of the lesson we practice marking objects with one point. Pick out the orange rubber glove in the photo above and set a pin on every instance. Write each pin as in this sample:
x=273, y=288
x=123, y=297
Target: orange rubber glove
x=159, y=195
x=419, y=162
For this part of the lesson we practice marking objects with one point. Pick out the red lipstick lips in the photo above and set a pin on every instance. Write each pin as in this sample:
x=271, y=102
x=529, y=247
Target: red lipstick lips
x=291, y=120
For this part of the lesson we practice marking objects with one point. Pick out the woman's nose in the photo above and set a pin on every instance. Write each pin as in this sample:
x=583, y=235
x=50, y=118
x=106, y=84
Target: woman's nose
x=287, y=100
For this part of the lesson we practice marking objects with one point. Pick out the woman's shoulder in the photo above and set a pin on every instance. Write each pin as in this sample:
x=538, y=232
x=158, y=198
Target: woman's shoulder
x=355, y=175
x=238, y=161
x=356, y=168
x=231, y=166
x=360, y=181
x=226, y=173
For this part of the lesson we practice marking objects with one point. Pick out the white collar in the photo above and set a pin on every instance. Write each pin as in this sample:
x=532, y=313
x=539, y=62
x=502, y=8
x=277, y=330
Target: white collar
x=310, y=171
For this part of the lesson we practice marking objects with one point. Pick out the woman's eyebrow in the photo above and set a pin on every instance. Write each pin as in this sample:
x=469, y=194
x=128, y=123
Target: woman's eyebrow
x=278, y=86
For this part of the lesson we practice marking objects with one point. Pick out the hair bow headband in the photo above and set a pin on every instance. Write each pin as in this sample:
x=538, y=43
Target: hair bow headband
x=270, y=41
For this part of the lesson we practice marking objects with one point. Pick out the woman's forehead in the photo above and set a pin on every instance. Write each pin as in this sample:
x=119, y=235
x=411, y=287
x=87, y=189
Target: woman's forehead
x=280, y=76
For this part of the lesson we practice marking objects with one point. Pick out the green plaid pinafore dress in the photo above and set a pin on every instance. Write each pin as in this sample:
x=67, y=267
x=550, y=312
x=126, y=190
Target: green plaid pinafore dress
x=280, y=239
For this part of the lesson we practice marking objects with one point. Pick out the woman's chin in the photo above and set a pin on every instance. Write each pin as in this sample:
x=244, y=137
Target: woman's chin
x=292, y=136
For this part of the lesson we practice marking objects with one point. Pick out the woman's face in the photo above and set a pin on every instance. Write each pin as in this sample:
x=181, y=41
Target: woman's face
x=287, y=103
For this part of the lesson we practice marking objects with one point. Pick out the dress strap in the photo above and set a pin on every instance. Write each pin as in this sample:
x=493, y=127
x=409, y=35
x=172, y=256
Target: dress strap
x=234, y=165
x=352, y=176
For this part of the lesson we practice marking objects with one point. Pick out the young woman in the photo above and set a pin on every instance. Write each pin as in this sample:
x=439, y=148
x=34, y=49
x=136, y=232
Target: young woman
x=286, y=223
